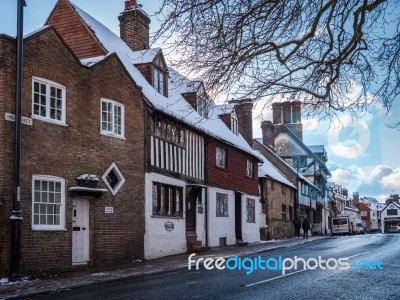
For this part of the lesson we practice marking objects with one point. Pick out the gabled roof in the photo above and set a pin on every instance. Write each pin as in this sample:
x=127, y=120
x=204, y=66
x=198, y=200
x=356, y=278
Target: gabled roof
x=267, y=169
x=283, y=128
x=175, y=105
x=294, y=172
x=145, y=56
x=395, y=204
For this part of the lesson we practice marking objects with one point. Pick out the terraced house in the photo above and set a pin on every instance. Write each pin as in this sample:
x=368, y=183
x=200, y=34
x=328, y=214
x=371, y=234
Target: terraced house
x=121, y=160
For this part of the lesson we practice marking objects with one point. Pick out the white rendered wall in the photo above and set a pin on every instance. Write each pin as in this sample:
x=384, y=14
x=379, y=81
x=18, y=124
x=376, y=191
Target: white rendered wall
x=159, y=242
x=220, y=227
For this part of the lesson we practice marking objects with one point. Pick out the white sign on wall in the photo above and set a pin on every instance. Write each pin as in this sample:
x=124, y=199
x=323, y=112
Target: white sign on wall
x=109, y=210
x=24, y=120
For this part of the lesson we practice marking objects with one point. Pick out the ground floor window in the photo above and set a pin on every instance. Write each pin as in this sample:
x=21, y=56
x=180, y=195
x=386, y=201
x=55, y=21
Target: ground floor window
x=167, y=200
x=250, y=210
x=48, y=202
x=222, y=205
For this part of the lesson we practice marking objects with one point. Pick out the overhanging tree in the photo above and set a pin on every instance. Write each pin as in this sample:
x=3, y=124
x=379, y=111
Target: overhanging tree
x=335, y=56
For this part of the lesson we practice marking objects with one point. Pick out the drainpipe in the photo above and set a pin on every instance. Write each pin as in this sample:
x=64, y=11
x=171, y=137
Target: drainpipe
x=16, y=213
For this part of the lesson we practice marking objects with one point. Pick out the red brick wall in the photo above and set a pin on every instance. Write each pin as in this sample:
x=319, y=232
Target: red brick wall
x=68, y=151
x=7, y=98
x=191, y=98
x=227, y=120
x=234, y=176
x=78, y=37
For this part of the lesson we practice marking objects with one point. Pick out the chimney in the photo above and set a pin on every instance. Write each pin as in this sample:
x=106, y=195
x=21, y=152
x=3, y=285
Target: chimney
x=244, y=113
x=277, y=113
x=134, y=26
x=268, y=134
x=356, y=198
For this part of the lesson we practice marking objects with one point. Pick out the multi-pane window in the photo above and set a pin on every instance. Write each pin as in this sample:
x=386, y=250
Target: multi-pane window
x=249, y=168
x=222, y=205
x=221, y=157
x=48, y=101
x=48, y=202
x=167, y=200
x=250, y=210
x=112, y=118
x=158, y=81
x=283, y=212
x=392, y=212
x=290, y=213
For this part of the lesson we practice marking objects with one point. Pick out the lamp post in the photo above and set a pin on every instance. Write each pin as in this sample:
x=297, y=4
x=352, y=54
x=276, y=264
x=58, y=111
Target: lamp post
x=16, y=217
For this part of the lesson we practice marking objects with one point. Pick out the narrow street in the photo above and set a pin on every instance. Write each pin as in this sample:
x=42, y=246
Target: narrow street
x=362, y=281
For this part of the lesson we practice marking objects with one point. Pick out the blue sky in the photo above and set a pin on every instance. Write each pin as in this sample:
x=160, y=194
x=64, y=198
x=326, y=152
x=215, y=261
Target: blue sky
x=363, y=155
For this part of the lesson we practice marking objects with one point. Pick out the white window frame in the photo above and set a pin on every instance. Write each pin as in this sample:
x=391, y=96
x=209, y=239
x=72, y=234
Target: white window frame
x=221, y=157
x=112, y=131
x=49, y=84
x=250, y=168
x=224, y=205
x=251, y=210
x=62, y=205
x=117, y=172
x=158, y=81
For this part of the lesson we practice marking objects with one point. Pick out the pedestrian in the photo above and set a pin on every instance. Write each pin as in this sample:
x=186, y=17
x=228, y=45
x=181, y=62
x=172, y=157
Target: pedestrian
x=306, y=228
x=297, y=226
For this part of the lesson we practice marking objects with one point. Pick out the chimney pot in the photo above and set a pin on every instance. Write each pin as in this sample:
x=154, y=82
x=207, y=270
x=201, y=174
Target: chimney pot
x=130, y=3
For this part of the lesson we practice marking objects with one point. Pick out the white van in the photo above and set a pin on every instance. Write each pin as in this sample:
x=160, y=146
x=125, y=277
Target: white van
x=342, y=225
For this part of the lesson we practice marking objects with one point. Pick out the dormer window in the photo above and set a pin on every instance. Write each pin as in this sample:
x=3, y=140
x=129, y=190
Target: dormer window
x=158, y=81
x=234, y=124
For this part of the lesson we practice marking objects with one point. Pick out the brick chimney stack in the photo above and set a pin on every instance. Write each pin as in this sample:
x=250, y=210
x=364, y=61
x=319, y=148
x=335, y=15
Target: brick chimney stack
x=135, y=26
x=268, y=135
x=244, y=113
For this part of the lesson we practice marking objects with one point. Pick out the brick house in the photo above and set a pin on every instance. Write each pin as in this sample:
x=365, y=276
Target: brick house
x=66, y=224
x=106, y=112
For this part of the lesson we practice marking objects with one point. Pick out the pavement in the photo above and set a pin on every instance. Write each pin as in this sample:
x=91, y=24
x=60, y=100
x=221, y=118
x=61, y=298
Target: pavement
x=60, y=282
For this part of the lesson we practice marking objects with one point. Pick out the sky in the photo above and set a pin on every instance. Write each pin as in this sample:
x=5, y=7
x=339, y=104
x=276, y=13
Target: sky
x=363, y=154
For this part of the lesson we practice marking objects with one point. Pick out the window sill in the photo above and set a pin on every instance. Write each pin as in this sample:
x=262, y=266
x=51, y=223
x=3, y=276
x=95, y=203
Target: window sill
x=221, y=168
x=251, y=222
x=113, y=136
x=49, y=229
x=48, y=121
x=167, y=217
x=220, y=216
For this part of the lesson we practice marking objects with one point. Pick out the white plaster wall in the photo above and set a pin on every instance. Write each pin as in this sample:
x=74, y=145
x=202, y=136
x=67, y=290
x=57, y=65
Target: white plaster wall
x=159, y=242
x=251, y=231
x=220, y=227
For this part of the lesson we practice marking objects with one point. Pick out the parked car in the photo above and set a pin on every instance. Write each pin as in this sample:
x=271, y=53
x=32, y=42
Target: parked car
x=360, y=228
x=394, y=228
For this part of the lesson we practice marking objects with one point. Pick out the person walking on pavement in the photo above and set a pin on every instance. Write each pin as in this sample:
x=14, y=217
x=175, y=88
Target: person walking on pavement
x=306, y=228
x=297, y=226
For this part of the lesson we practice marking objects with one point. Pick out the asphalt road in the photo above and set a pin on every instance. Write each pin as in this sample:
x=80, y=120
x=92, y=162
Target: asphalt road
x=370, y=270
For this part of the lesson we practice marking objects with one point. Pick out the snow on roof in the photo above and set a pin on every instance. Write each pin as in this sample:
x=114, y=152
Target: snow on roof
x=221, y=109
x=92, y=60
x=267, y=169
x=293, y=170
x=180, y=84
x=144, y=56
x=175, y=106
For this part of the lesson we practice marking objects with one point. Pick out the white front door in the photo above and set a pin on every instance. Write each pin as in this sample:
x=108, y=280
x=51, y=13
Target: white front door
x=80, y=232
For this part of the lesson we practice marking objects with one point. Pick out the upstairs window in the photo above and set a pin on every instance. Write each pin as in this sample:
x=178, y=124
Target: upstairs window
x=158, y=81
x=249, y=168
x=48, y=101
x=112, y=118
x=221, y=157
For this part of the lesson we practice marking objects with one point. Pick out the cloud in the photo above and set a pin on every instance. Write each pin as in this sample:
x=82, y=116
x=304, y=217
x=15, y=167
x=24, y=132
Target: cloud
x=392, y=181
x=310, y=124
